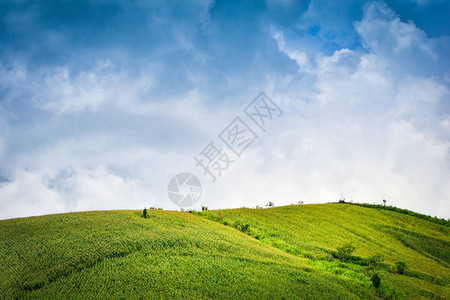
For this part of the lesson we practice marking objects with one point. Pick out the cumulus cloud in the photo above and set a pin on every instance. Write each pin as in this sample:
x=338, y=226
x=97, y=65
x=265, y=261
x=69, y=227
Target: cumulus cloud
x=300, y=57
x=405, y=45
x=71, y=189
x=27, y=194
x=365, y=95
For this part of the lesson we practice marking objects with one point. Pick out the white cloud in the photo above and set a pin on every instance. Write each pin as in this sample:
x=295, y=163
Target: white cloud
x=343, y=148
x=27, y=194
x=98, y=188
x=300, y=57
x=357, y=122
x=384, y=32
x=71, y=189
x=62, y=92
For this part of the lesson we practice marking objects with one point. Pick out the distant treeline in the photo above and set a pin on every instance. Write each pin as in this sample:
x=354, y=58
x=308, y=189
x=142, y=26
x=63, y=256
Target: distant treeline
x=435, y=220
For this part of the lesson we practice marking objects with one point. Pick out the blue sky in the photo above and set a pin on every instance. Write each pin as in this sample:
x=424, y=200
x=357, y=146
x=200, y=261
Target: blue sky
x=102, y=102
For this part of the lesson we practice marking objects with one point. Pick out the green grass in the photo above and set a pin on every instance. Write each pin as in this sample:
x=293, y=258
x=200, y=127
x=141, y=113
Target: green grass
x=316, y=231
x=277, y=253
x=443, y=222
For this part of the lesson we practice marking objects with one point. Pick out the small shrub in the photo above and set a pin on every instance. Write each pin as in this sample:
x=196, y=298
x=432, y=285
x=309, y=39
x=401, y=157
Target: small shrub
x=345, y=252
x=204, y=208
x=241, y=226
x=144, y=213
x=401, y=267
x=376, y=280
x=270, y=204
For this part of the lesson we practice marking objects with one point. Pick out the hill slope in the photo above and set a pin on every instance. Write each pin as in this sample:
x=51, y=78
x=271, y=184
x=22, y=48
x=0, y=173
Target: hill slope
x=316, y=231
x=119, y=254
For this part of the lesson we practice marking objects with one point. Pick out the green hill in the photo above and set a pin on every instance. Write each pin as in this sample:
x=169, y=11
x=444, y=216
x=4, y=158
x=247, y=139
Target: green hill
x=285, y=252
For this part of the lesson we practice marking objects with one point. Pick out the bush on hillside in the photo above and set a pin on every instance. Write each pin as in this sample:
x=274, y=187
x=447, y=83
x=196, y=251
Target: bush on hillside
x=401, y=267
x=376, y=280
x=241, y=226
x=345, y=252
x=144, y=213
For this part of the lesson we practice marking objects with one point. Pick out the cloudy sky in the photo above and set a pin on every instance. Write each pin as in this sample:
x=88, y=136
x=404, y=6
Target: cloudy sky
x=103, y=102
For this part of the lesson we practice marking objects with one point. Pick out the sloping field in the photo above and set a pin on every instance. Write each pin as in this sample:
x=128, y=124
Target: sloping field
x=278, y=253
x=119, y=254
x=316, y=231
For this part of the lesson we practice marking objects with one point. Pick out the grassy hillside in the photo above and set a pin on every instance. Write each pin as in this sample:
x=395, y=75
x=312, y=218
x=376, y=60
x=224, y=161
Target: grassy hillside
x=316, y=231
x=284, y=252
